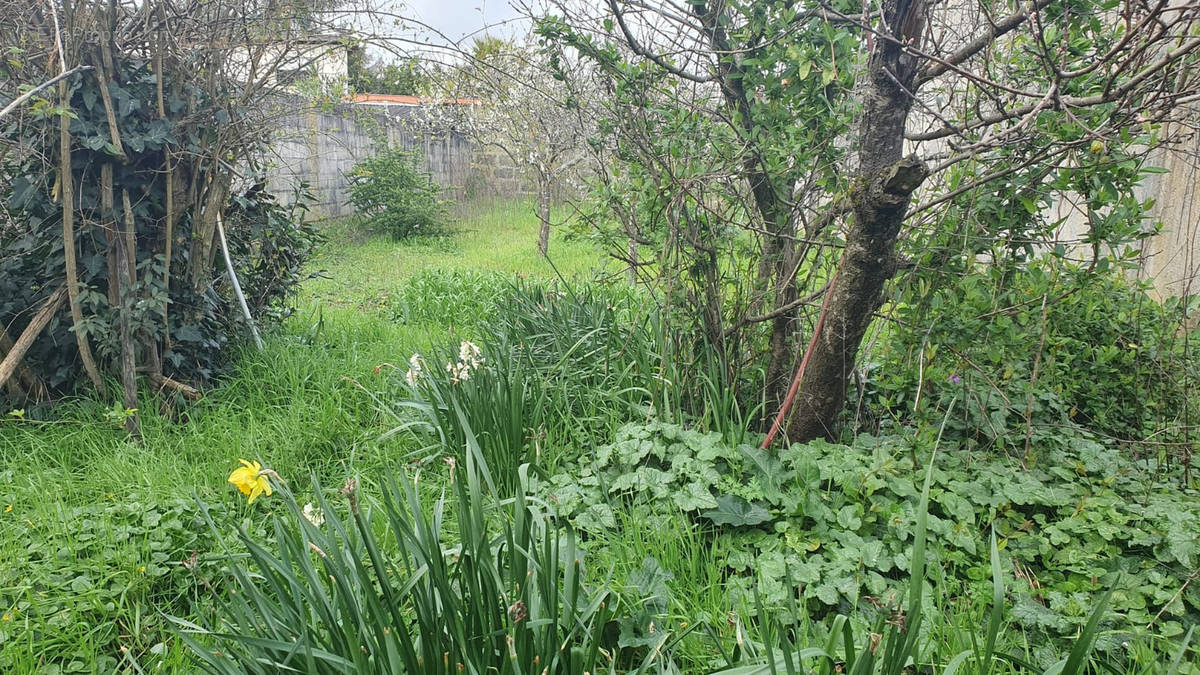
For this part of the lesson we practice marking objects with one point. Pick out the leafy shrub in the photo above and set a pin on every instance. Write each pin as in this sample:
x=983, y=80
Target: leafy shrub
x=381, y=586
x=1099, y=352
x=837, y=523
x=273, y=242
x=393, y=195
x=270, y=246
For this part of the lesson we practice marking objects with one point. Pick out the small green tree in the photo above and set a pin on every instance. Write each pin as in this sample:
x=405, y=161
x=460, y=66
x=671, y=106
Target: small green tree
x=369, y=75
x=393, y=194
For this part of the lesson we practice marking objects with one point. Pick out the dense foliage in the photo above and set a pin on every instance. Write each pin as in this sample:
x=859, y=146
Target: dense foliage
x=1033, y=350
x=192, y=322
x=393, y=195
x=749, y=154
x=549, y=412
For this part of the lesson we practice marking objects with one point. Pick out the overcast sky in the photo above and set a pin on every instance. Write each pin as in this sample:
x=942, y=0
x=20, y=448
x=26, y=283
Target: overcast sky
x=458, y=18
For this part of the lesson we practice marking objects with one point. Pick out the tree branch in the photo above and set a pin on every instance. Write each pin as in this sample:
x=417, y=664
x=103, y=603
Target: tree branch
x=29, y=94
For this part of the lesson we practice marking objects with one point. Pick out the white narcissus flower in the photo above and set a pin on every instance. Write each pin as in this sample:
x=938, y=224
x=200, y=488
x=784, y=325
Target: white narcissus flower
x=414, y=369
x=459, y=372
x=313, y=515
x=470, y=354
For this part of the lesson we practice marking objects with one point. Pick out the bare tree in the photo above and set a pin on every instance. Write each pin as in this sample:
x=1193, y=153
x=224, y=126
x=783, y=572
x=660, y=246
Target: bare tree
x=537, y=118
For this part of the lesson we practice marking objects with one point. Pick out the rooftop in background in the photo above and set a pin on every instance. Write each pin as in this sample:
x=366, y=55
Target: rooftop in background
x=392, y=99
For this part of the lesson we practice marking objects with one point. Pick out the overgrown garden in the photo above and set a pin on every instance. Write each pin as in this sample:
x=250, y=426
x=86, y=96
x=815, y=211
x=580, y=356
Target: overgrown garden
x=812, y=380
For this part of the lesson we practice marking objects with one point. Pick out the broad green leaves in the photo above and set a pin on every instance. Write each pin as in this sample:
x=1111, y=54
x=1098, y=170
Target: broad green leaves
x=835, y=524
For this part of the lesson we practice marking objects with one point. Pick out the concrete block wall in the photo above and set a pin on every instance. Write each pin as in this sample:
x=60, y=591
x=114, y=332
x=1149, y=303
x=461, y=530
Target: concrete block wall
x=319, y=147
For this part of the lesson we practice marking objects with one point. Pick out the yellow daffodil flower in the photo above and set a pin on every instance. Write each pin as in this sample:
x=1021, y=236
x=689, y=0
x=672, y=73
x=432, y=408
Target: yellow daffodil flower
x=250, y=479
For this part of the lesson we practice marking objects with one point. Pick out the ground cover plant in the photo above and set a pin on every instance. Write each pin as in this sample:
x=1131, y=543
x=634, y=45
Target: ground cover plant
x=560, y=430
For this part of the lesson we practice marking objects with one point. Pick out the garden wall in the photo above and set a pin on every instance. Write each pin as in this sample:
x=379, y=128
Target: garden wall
x=319, y=147
x=1171, y=258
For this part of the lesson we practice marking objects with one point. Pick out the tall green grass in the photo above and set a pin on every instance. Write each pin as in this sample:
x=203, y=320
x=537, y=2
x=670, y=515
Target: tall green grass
x=297, y=406
x=379, y=586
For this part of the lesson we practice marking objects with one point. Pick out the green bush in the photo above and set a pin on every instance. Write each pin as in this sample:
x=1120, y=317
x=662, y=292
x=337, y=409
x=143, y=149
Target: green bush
x=1030, y=349
x=830, y=527
x=393, y=195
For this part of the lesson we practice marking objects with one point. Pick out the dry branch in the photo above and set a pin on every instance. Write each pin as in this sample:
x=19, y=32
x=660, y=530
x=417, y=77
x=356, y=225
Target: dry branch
x=27, y=384
x=12, y=360
x=163, y=382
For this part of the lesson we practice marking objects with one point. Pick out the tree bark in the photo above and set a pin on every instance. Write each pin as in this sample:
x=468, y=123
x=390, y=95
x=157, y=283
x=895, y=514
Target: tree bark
x=67, y=183
x=12, y=360
x=26, y=384
x=879, y=197
x=544, y=213
x=125, y=257
x=774, y=270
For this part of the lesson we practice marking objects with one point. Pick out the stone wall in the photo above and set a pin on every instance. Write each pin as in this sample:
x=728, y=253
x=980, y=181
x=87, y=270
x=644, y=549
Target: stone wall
x=320, y=147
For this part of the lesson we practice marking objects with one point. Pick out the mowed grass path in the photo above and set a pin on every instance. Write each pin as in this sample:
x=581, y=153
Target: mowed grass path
x=290, y=406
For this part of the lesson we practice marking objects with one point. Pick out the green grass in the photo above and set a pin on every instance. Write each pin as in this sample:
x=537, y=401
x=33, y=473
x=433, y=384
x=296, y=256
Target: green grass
x=295, y=406
x=105, y=537
x=364, y=270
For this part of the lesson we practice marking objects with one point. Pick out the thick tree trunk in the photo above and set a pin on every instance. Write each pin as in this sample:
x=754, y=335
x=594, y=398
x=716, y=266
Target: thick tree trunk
x=880, y=198
x=544, y=213
x=203, y=248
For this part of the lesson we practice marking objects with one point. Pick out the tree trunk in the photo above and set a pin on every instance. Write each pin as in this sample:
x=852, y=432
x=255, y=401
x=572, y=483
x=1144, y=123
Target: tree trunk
x=67, y=181
x=774, y=280
x=544, y=213
x=631, y=256
x=125, y=257
x=880, y=198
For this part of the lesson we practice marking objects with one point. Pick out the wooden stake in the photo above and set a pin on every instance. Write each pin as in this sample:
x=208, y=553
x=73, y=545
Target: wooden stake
x=67, y=182
x=125, y=293
x=169, y=235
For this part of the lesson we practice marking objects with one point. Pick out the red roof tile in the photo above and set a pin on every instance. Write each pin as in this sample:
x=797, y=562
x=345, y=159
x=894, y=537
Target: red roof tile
x=394, y=99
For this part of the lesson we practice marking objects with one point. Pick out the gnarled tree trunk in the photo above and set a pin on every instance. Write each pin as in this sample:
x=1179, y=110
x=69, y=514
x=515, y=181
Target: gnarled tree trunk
x=879, y=200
